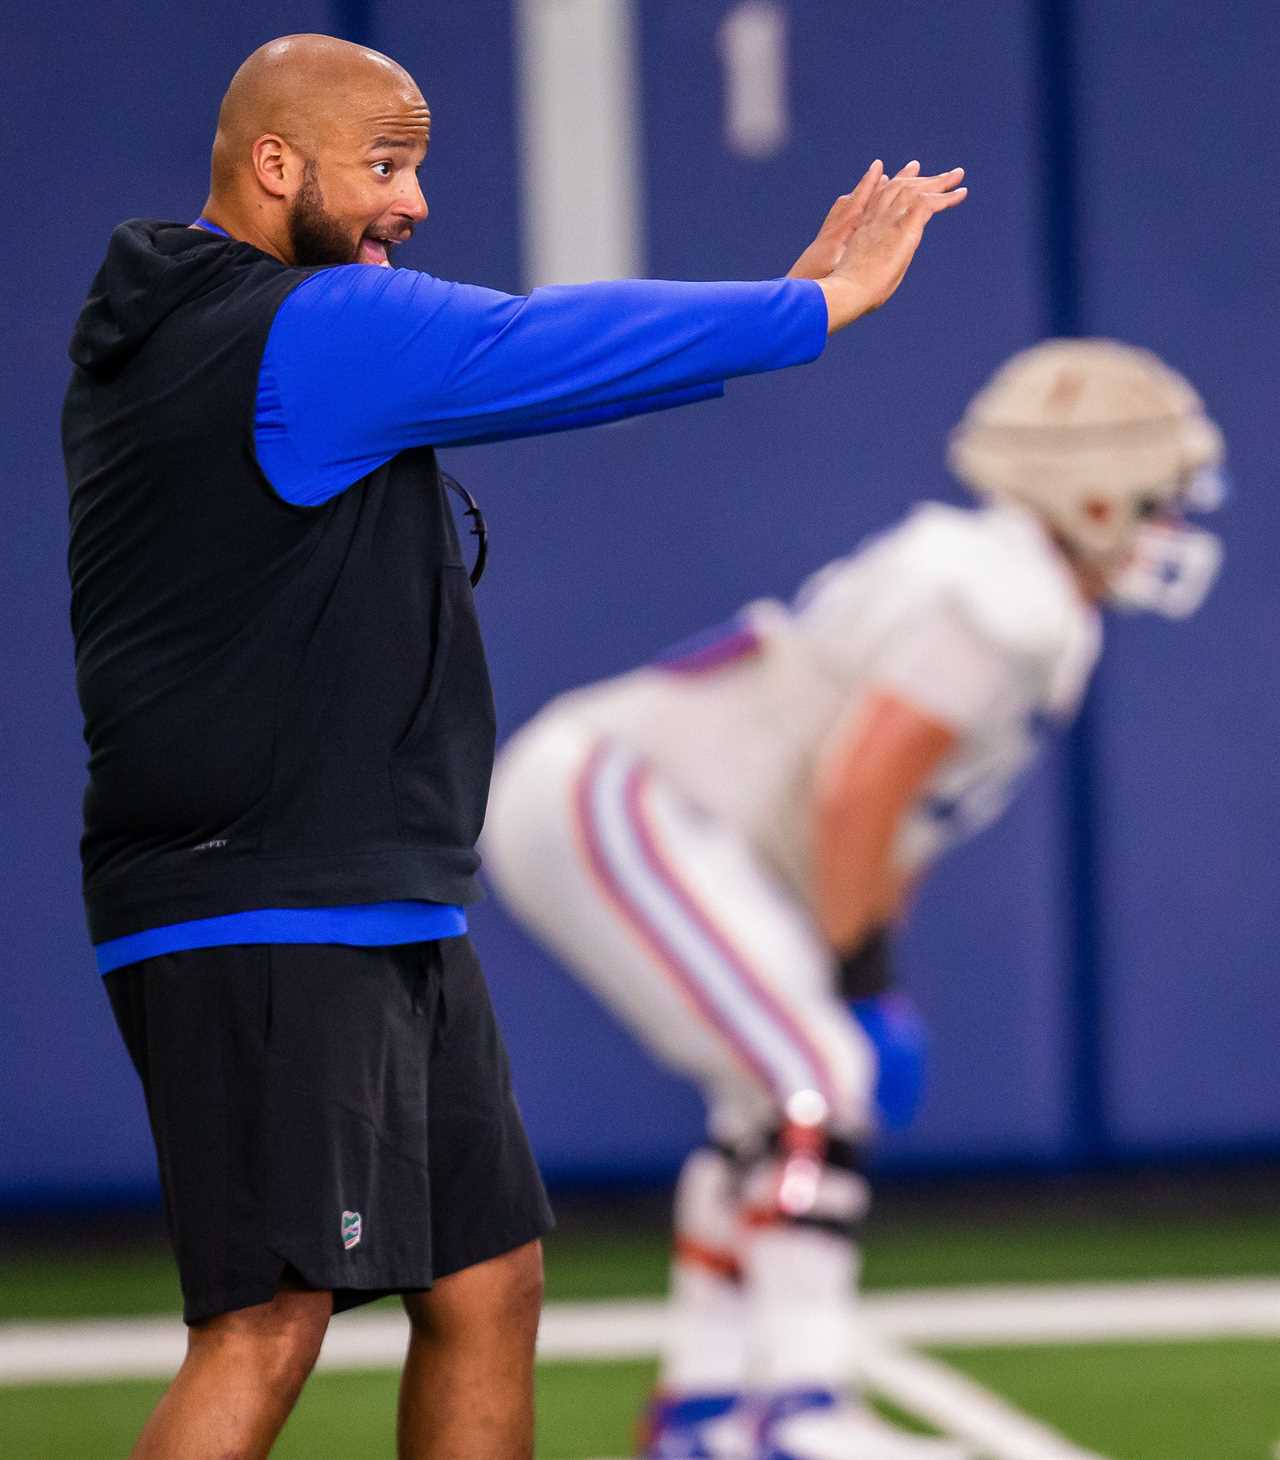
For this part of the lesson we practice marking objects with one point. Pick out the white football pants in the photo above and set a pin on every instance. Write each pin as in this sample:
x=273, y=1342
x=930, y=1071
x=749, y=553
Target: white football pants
x=672, y=919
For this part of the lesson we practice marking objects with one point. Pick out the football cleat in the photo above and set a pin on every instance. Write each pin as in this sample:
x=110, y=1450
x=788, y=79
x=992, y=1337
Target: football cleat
x=815, y=1424
x=697, y=1427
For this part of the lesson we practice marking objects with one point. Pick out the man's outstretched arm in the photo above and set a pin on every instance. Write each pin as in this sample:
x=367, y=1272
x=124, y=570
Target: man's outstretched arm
x=363, y=363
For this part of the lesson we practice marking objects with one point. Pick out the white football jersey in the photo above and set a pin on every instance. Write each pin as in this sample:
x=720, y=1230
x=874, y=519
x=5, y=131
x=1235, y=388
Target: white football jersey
x=971, y=615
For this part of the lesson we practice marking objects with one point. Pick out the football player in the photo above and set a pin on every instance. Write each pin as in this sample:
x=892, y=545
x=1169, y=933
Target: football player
x=715, y=844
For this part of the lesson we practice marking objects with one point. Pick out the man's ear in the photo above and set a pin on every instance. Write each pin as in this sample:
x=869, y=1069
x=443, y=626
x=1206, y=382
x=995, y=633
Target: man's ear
x=275, y=164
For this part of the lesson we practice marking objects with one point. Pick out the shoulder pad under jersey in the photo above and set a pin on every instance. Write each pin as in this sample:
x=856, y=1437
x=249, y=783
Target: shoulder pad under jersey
x=998, y=568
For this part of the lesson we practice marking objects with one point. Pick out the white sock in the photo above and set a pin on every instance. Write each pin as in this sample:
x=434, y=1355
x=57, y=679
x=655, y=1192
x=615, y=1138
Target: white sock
x=705, y=1347
x=705, y=1343
x=801, y=1280
x=801, y=1286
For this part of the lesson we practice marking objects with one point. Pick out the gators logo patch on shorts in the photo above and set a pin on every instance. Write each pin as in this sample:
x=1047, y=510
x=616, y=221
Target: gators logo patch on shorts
x=352, y=1229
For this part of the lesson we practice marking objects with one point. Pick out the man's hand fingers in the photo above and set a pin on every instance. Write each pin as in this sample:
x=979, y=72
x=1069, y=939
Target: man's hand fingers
x=846, y=208
x=893, y=200
x=867, y=184
x=941, y=182
x=938, y=201
x=843, y=217
x=930, y=195
x=883, y=220
x=900, y=196
x=837, y=215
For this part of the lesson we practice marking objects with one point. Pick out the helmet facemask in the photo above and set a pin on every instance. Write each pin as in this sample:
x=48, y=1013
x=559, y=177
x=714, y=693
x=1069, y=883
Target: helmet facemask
x=1172, y=565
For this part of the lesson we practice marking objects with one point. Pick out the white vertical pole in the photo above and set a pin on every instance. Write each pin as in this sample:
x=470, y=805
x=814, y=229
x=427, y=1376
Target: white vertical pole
x=579, y=116
x=753, y=53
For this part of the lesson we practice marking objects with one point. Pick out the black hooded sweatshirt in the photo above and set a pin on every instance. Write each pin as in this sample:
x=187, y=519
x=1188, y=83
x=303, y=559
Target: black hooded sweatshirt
x=284, y=706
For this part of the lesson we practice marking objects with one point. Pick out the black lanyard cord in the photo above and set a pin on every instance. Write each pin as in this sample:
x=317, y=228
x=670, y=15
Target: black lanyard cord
x=479, y=528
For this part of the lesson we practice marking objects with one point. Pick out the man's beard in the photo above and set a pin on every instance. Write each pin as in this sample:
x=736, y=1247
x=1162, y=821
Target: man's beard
x=314, y=235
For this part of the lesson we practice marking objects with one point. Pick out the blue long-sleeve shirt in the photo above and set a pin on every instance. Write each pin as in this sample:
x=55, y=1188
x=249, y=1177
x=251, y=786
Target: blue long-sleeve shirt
x=362, y=363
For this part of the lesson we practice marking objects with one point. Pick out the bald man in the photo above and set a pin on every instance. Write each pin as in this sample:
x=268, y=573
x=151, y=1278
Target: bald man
x=290, y=726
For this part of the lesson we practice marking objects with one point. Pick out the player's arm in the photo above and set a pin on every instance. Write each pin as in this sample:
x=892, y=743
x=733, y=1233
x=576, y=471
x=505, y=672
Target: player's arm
x=872, y=774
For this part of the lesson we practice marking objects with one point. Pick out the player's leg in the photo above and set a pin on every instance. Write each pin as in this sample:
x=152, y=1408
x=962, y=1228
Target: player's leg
x=702, y=1369
x=800, y=1255
x=654, y=906
x=803, y=1194
x=545, y=848
x=704, y=1351
x=674, y=922
x=467, y=1388
x=790, y=1077
x=241, y=1377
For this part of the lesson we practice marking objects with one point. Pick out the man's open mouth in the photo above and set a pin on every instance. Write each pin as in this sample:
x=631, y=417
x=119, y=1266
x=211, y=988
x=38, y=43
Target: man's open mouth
x=375, y=249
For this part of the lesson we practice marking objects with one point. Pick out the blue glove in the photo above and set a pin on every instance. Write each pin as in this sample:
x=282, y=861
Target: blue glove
x=893, y=1024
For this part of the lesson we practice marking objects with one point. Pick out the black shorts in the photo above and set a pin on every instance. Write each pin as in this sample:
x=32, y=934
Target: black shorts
x=344, y=1113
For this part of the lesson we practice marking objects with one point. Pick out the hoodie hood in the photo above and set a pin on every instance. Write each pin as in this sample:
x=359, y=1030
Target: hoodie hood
x=151, y=269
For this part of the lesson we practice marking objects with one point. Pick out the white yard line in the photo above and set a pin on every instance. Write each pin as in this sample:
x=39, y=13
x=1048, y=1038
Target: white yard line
x=960, y=1407
x=71, y=1351
x=1142, y=1312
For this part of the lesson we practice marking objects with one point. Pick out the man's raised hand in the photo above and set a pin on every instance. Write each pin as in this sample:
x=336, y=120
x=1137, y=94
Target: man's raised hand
x=870, y=236
x=827, y=249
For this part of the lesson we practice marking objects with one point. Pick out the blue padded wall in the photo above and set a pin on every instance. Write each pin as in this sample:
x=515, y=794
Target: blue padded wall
x=609, y=544
x=1178, y=253
x=117, y=109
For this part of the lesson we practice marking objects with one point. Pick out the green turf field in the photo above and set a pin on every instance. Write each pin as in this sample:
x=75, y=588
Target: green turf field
x=1169, y=1401
x=1154, y=1401
x=1157, y=1401
x=583, y=1410
x=624, y=1263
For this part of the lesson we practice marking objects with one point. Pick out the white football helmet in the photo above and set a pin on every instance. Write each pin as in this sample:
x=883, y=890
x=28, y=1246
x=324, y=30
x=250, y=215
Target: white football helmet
x=1109, y=446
